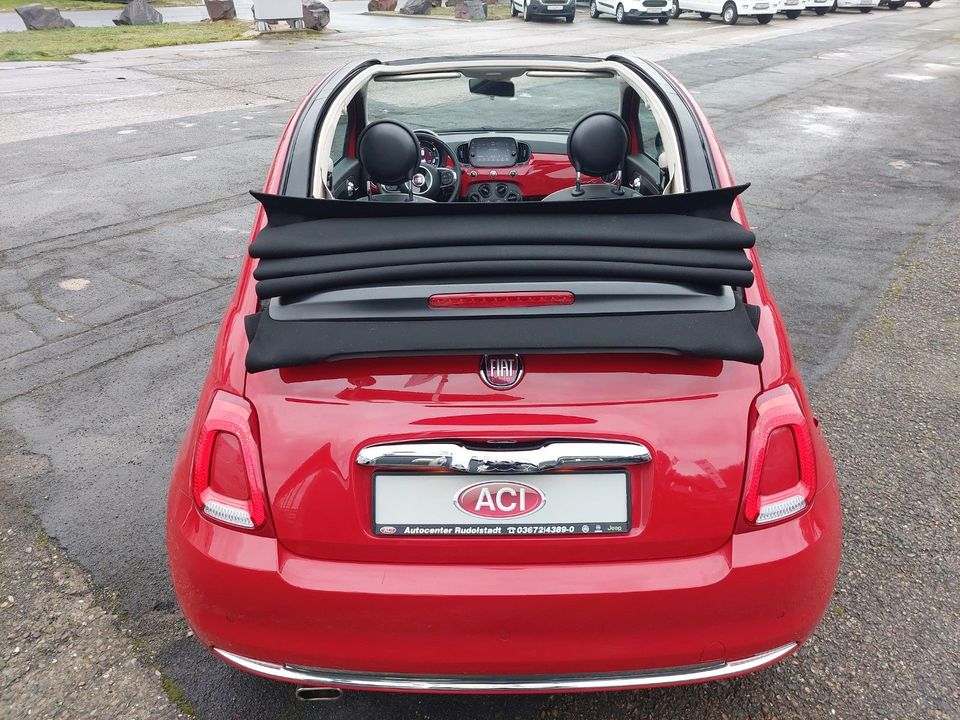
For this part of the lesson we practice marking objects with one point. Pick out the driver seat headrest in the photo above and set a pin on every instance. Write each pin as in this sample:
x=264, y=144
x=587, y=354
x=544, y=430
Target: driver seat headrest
x=389, y=152
x=598, y=143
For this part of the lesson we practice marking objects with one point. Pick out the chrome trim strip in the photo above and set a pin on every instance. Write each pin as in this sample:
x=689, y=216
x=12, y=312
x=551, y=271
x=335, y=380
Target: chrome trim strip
x=530, y=683
x=551, y=456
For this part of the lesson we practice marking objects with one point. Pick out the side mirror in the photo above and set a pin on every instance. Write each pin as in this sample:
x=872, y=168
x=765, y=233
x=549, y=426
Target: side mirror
x=492, y=88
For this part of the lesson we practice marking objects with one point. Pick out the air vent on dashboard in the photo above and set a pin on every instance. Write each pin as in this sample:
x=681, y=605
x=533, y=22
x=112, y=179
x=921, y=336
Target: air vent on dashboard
x=523, y=152
x=463, y=153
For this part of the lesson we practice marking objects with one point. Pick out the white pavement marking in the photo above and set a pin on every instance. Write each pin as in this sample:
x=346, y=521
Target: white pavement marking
x=911, y=77
x=74, y=284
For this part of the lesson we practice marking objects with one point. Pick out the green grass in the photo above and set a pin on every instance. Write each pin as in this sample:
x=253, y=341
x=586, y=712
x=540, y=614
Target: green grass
x=176, y=696
x=43, y=540
x=9, y=5
x=62, y=44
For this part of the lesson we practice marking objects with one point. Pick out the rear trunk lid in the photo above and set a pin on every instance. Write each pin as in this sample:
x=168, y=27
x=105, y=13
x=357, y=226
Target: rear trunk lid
x=691, y=414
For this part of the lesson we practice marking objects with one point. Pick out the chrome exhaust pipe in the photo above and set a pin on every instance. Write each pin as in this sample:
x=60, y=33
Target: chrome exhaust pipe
x=312, y=694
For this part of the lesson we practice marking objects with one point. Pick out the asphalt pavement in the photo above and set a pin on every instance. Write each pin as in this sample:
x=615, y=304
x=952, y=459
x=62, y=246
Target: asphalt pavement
x=125, y=217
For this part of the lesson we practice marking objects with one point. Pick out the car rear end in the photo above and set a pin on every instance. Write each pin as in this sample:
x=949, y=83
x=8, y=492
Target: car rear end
x=818, y=6
x=760, y=8
x=668, y=564
x=858, y=4
x=794, y=8
x=511, y=523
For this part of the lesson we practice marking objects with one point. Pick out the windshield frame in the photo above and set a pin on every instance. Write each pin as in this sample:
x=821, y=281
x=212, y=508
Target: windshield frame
x=550, y=98
x=483, y=67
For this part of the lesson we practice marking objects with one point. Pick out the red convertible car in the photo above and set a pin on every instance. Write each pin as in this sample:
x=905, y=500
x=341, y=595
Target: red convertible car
x=502, y=402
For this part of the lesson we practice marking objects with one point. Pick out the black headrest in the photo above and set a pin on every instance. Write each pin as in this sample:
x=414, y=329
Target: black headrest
x=388, y=151
x=598, y=143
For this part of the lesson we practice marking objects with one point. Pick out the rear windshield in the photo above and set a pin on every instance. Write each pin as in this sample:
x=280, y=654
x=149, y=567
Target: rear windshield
x=446, y=104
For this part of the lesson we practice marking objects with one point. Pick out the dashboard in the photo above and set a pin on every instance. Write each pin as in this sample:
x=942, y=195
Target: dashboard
x=500, y=168
x=493, y=152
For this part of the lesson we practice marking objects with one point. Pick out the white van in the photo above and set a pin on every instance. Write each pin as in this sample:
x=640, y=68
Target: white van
x=624, y=10
x=793, y=8
x=731, y=10
x=820, y=7
x=863, y=6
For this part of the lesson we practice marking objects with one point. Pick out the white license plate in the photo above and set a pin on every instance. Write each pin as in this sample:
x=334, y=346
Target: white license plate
x=554, y=7
x=443, y=504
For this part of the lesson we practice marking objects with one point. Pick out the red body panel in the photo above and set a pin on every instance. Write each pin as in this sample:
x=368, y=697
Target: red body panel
x=316, y=588
x=314, y=420
x=757, y=591
x=545, y=173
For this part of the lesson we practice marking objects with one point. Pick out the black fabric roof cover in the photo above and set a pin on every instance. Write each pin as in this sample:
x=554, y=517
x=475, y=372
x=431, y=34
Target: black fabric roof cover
x=311, y=246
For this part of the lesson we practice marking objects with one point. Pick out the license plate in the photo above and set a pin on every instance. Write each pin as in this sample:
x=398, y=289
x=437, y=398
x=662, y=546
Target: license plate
x=554, y=7
x=446, y=504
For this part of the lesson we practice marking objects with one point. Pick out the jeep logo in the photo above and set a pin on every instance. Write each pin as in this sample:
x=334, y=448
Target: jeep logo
x=493, y=499
x=501, y=371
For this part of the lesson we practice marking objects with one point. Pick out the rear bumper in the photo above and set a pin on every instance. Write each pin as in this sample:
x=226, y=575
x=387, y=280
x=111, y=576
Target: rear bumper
x=520, y=684
x=457, y=628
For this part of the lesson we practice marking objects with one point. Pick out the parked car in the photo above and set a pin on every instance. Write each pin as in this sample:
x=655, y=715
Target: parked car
x=863, y=6
x=626, y=10
x=529, y=9
x=820, y=7
x=730, y=11
x=793, y=8
x=502, y=401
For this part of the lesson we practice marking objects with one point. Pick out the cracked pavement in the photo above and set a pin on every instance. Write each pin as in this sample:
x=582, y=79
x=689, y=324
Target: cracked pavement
x=125, y=217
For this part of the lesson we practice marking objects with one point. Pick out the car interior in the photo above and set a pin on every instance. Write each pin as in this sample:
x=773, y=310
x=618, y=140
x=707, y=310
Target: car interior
x=495, y=135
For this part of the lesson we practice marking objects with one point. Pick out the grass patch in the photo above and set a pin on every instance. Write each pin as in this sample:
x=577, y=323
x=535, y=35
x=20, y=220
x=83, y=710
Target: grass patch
x=176, y=696
x=500, y=11
x=43, y=540
x=61, y=44
x=10, y=5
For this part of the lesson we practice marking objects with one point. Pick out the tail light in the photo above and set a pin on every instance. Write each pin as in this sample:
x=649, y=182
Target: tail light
x=781, y=476
x=483, y=300
x=227, y=476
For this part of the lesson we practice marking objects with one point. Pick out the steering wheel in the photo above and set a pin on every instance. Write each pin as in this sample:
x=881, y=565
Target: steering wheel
x=440, y=184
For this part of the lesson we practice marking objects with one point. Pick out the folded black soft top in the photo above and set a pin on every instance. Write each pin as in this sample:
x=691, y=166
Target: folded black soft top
x=313, y=249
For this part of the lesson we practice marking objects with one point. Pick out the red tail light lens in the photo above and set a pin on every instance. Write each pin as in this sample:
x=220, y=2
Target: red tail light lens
x=480, y=301
x=781, y=476
x=227, y=476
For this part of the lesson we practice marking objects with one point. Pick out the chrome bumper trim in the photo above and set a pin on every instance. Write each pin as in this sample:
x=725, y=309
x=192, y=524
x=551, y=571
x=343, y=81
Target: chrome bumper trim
x=550, y=456
x=492, y=683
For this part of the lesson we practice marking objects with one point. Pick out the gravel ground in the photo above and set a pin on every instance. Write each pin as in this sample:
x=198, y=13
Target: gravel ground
x=892, y=416
x=62, y=655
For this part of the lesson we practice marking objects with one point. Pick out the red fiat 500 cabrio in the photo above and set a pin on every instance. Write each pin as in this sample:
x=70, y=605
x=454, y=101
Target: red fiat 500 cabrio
x=502, y=402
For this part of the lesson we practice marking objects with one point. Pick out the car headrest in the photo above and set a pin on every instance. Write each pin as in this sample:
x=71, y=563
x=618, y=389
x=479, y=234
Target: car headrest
x=598, y=143
x=388, y=151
